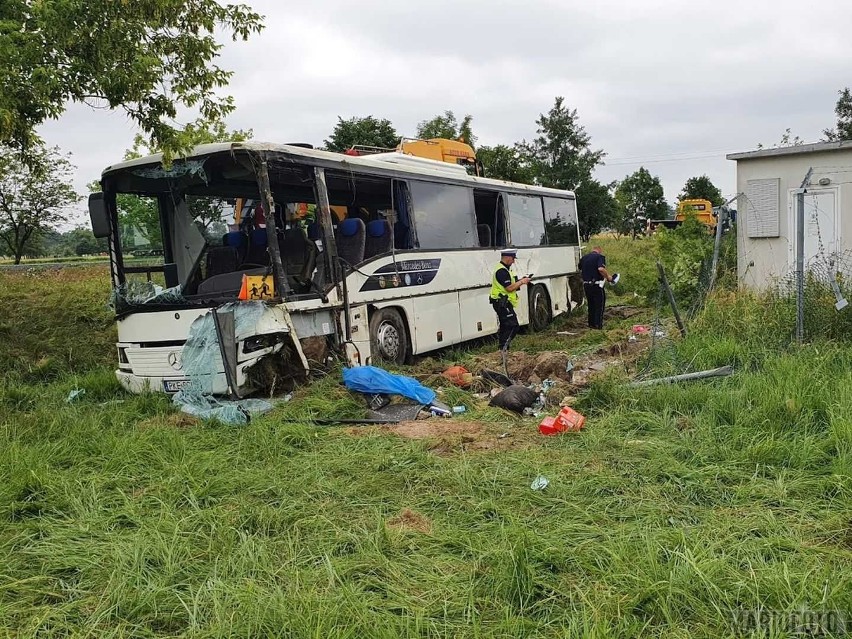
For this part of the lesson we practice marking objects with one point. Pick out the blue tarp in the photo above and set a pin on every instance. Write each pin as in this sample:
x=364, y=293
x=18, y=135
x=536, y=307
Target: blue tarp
x=370, y=379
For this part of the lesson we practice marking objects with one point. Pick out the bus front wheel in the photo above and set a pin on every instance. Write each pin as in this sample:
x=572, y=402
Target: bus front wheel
x=540, y=312
x=389, y=337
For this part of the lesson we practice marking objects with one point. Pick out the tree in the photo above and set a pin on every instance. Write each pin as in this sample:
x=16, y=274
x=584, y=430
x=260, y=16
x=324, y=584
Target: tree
x=561, y=156
x=368, y=131
x=81, y=241
x=787, y=139
x=147, y=57
x=446, y=126
x=640, y=198
x=596, y=208
x=503, y=162
x=33, y=195
x=843, y=111
x=701, y=188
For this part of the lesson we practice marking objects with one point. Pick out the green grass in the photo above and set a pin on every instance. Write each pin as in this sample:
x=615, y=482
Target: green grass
x=676, y=507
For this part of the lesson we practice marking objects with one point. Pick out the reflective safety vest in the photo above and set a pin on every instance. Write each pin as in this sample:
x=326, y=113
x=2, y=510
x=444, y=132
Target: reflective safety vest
x=497, y=289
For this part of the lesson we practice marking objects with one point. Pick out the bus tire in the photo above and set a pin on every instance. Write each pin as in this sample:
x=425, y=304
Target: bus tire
x=389, y=342
x=541, y=313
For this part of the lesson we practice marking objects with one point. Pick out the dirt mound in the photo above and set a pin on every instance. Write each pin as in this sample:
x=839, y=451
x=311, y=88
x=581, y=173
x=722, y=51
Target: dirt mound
x=528, y=368
x=447, y=437
x=622, y=311
x=410, y=520
x=435, y=428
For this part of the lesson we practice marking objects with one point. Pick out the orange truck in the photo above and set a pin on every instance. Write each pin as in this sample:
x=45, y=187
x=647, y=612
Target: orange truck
x=702, y=209
x=441, y=149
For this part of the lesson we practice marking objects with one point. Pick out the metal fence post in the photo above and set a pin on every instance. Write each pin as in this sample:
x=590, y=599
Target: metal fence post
x=800, y=258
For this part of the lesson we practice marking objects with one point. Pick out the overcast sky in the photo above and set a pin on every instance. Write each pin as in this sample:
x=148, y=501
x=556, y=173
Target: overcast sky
x=671, y=86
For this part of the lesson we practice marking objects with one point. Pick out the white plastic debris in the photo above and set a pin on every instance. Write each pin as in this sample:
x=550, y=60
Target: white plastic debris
x=74, y=394
x=540, y=483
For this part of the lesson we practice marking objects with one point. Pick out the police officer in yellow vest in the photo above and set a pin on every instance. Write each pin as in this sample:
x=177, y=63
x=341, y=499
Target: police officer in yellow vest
x=504, y=298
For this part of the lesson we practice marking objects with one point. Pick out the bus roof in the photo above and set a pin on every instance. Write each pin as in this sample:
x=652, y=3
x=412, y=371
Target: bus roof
x=392, y=163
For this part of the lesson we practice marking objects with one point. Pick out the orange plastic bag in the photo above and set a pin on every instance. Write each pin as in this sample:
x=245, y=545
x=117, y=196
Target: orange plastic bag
x=459, y=376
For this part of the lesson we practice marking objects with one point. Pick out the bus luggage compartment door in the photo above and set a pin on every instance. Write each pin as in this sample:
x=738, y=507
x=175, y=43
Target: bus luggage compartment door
x=436, y=322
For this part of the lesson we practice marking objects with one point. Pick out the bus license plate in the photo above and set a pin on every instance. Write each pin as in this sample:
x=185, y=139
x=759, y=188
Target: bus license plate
x=175, y=385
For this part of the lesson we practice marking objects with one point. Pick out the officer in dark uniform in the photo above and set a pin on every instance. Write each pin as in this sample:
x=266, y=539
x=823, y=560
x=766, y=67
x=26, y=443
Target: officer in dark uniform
x=504, y=299
x=594, y=274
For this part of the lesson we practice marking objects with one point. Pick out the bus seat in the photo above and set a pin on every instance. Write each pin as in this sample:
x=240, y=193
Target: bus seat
x=238, y=241
x=484, y=232
x=257, y=253
x=298, y=254
x=378, y=240
x=350, y=237
x=221, y=259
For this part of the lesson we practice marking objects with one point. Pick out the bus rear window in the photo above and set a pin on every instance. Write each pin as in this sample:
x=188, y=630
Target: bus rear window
x=443, y=216
x=526, y=222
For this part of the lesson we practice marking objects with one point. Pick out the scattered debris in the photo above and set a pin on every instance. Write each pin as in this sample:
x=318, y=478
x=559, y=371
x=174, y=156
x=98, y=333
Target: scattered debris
x=74, y=394
x=396, y=413
x=567, y=421
x=640, y=329
x=715, y=372
x=372, y=379
x=540, y=483
x=565, y=333
x=459, y=409
x=225, y=411
x=504, y=435
x=514, y=398
x=497, y=378
x=459, y=376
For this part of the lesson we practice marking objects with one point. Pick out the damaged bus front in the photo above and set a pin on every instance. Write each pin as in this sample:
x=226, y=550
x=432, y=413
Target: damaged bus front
x=196, y=236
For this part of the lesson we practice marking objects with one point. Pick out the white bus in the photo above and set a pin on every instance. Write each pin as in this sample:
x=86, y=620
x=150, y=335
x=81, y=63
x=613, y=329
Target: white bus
x=379, y=257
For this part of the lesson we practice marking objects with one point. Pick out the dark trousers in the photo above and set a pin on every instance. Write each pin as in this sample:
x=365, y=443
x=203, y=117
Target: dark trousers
x=596, y=299
x=508, y=321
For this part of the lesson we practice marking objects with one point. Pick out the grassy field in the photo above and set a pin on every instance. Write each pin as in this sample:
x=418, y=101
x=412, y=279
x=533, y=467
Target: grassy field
x=674, y=512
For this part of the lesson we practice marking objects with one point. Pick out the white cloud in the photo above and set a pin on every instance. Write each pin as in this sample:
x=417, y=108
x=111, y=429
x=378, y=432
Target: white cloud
x=671, y=86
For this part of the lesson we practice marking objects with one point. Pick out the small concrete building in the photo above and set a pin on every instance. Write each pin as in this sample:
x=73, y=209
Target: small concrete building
x=767, y=181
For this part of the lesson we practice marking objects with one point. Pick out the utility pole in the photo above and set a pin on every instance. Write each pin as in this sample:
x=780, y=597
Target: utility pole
x=800, y=258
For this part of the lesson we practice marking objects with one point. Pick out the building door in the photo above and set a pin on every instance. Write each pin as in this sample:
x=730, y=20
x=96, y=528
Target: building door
x=822, y=233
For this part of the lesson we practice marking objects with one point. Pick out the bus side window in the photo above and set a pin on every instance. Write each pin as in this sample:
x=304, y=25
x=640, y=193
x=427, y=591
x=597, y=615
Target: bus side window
x=561, y=221
x=526, y=220
x=443, y=215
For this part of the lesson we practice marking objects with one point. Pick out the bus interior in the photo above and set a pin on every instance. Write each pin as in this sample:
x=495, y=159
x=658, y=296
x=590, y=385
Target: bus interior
x=371, y=215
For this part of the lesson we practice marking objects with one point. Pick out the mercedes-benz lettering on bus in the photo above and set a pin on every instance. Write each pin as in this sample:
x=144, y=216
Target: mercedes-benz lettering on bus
x=377, y=257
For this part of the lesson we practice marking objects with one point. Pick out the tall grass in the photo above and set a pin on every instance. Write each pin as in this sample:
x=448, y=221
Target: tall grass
x=676, y=508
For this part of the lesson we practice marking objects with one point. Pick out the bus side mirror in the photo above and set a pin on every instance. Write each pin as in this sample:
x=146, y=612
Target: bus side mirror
x=99, y=215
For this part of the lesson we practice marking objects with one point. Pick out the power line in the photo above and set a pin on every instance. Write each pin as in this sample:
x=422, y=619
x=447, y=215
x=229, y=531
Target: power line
x=705, y=156
x=668, y=154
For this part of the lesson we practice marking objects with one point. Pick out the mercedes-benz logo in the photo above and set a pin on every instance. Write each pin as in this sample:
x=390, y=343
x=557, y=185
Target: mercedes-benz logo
x=174, y=360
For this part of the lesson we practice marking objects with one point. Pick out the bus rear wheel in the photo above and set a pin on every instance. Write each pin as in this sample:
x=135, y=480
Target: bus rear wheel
x=389, y=341
x=540, y=312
